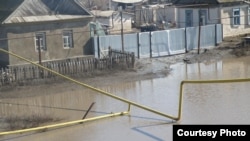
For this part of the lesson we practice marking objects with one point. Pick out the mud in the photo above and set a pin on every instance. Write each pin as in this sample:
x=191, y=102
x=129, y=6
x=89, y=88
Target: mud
x=144, y=69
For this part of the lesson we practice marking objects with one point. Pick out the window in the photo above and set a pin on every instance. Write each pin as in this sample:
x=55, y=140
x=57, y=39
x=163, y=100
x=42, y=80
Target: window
x=248, y=12
x=67, y=39
x=189, y=18
x=236, y=16
x=40, y=41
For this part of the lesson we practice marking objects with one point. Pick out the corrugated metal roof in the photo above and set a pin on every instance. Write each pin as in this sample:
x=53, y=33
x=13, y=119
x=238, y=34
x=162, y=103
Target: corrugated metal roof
x=30, y=19
x=225, y=1
x=185, y=2
x=190, y=2
x=128, y=1
x=52, y=9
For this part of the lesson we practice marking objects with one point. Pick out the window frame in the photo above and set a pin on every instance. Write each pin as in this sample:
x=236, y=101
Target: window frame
x=42, y=37
x=236, y=18
x=67, y=36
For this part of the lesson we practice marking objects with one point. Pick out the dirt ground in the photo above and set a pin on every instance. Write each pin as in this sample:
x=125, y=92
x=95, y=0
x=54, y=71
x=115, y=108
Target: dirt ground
x=143, y=69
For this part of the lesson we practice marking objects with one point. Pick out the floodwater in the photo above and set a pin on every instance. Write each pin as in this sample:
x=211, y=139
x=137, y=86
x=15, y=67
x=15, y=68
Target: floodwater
x=202, y=104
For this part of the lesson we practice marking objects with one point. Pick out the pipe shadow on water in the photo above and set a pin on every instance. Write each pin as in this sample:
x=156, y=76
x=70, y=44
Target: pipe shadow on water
x=150, y=135
x=50, y=107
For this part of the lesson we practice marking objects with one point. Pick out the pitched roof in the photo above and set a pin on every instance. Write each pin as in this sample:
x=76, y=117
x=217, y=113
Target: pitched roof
x=225, y=1
x=190, y=2
x=128, y=1
x=34, y=10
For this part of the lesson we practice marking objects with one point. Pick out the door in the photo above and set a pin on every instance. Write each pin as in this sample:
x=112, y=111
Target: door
x=203, y=17
x=189, y=18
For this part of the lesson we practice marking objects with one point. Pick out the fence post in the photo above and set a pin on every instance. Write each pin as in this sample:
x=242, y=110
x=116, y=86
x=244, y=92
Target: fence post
x=110, y=57
x=150, y=43
x=222, y=32
x=96, y=62
x=133, y=59
x=138, y=45
x=185, y=39
x=199, y=34
x=98, y=46
x=215, y=36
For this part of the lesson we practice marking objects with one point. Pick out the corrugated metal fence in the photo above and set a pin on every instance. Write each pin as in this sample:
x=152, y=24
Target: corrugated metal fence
x=160, y=43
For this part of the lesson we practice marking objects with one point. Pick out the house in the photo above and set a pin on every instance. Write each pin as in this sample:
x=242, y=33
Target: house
x=232, y=14
x=114, y=21
x=43, y=29
x=187, y=13
x=235, y=17
x=177, y=13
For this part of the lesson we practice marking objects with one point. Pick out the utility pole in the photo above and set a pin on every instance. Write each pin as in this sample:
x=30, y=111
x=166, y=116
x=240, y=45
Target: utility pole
x=39, y=56
x=122, y=32
x=199, y=34
x=39, y=50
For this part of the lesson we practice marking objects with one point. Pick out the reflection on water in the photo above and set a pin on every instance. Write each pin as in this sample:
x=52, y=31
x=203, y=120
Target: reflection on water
x=203, y=103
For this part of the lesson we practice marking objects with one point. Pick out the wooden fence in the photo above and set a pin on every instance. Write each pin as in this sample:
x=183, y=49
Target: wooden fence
x=121, y=58
x=79, y=66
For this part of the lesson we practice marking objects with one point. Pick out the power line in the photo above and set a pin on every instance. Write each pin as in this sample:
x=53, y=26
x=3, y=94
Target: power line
x=84, y=31
x=53, y=34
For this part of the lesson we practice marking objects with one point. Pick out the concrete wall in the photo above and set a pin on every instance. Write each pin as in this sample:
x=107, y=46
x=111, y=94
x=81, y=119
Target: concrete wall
x=228, y=28
x=21, y=40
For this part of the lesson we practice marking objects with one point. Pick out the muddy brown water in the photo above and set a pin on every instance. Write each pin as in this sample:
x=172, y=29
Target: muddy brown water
x=203, y=104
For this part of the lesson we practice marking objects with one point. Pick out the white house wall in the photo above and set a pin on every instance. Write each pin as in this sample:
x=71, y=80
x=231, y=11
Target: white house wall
x=228, y=28
x=213, y=16
x=169, y=13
